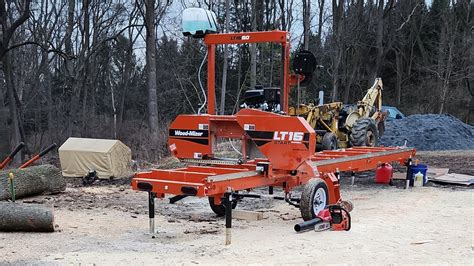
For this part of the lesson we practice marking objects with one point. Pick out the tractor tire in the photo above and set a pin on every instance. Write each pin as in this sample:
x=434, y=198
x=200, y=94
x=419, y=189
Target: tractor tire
x=364, y=133
x=315, y=198
x=329, y=141
x=219, y=210
x=381, y=128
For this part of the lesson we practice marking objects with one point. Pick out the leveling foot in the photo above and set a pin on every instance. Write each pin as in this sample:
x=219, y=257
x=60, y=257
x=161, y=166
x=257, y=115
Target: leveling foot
x=228, y=217
x=151, y=212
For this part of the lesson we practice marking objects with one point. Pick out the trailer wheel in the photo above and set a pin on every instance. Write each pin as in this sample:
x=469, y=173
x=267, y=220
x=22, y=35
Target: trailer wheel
x=329, y=141
x=364, y=133
x=219, y=210
x=315, y=198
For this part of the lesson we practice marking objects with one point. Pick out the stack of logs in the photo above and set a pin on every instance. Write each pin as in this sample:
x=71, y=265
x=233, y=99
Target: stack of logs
x=35, y=180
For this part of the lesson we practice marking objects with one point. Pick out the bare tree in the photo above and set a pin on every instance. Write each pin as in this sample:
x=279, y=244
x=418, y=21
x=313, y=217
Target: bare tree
x=337, y=14
x=253, y=48
x=9, y=27
x=306, y=22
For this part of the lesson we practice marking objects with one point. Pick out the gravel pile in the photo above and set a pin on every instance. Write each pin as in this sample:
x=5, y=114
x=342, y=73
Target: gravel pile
x=429, y=132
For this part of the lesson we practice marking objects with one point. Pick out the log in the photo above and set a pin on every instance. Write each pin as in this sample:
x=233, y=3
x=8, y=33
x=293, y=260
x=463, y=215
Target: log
x=42, y=179
x=26, y=217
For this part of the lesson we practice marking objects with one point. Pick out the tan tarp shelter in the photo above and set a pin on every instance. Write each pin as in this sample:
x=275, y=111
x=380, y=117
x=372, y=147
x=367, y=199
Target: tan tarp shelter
x=110, y=158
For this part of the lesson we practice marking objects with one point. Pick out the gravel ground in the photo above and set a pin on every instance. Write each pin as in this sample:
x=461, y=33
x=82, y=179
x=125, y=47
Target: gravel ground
x=429, y=132
x=107, y=223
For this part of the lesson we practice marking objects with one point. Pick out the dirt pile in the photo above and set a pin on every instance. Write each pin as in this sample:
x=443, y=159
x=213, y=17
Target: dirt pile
x=429, y=132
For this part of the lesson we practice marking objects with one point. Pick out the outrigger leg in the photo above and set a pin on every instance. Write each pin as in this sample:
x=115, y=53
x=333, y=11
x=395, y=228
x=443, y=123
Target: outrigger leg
x=151, y=212
x=228, y=216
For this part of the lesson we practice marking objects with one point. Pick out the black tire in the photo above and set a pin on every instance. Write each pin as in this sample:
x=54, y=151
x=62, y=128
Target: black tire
x=219, y=210
x=364, y=133
x=381, y=128
x=307, y=198
x=329, y=141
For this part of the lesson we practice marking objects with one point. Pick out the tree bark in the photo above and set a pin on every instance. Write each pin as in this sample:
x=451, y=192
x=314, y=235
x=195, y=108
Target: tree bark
x=337, y=9
x=320, y=22
x=68, y=38
x=26, y=217
x=15, y=126
x=306, y=22
x=32, y=181
x=151, y=67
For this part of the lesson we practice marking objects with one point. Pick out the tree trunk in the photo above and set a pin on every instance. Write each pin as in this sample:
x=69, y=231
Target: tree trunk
x=470, y=111
x=26, y=217
x=447, y=76
x=15, y=126
x=127, y=75
x=282, y=14
x=68, y=38
x=32, y=181
x=350, y=80
x=378, y=40
x=151, y=67
x=320, y=22
x=4, y=136
x=338, y=8
x=306, y=22
x=226, y=55
x=85, y=85
x=398, y=61
x=253, y=49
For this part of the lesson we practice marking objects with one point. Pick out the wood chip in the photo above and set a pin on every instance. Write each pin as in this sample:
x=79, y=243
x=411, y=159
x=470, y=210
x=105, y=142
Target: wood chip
x=422, y=242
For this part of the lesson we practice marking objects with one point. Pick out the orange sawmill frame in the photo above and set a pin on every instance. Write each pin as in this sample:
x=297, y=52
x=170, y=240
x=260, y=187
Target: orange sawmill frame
x=286, y=144
x=279, y=37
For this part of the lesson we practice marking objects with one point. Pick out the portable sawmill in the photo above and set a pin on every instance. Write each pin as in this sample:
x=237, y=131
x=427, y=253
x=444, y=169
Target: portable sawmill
x=278, y=150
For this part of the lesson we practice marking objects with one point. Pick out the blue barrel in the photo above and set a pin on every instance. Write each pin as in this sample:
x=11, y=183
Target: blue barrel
x=422, y=168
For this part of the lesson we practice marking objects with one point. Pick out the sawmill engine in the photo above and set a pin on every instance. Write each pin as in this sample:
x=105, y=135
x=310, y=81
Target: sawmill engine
x=265, y=99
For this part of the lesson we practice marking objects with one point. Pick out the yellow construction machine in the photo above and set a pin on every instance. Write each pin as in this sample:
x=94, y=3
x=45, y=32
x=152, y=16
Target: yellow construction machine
x=340, y=126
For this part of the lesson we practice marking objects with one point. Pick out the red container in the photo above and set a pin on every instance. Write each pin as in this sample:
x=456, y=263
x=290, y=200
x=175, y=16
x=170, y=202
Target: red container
x=384, y=174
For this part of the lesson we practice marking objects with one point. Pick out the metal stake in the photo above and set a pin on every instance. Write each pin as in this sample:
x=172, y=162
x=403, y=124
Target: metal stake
x=151, y=212
x=409, y=177
x=228, y=217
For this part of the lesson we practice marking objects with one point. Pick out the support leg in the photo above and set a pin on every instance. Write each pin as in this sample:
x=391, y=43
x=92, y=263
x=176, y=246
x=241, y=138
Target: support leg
x=352, y=178
x=270, y=190
x=151, y=212
x=228, y=217
x=409, y=179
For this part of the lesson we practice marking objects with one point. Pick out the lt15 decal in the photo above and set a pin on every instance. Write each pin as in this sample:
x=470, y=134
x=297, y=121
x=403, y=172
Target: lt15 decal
x=284, y=137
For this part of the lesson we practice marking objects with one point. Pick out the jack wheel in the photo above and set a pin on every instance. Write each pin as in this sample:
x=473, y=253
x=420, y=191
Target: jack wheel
x=329, y=141
x=315, y=198
x=219, y=210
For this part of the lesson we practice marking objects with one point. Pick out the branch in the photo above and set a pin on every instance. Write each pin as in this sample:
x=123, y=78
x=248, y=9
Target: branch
x=59, y=52
x=96, y=47
x=408, y=19
x=24, y=16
